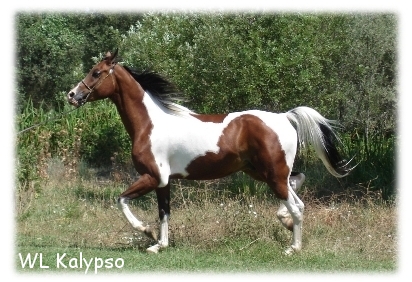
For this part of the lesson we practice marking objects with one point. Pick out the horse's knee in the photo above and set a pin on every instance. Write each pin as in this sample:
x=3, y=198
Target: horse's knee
x=121, y=203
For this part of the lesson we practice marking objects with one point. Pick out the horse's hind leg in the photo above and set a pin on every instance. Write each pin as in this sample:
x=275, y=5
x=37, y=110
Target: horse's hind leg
x=163, y=201
x=296, y=180
x=280, y=185
x=295, y=207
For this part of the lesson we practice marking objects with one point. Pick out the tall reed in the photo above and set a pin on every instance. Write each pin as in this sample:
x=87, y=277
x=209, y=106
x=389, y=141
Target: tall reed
x=93, y=133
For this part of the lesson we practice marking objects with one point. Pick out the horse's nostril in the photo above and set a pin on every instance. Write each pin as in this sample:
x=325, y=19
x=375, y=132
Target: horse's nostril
x=71, y=94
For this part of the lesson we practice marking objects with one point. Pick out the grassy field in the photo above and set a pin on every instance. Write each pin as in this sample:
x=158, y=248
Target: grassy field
x=212, y=230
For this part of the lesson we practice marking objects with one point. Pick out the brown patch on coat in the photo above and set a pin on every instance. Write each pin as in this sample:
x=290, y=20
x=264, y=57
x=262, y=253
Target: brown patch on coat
x=218, y=118
x=249, y=145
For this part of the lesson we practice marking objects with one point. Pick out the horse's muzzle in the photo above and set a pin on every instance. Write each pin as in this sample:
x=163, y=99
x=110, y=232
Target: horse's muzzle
x=75, y=100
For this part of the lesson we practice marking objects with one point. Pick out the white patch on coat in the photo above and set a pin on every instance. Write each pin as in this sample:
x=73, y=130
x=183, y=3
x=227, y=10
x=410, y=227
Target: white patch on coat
x=176, y=140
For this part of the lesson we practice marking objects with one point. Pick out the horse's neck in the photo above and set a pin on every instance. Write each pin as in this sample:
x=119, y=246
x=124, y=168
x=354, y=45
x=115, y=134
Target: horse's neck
x=132, y=110
x=140, y=111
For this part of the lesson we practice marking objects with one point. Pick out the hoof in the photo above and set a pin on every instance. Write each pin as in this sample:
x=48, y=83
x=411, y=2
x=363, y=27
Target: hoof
x=149, y=232
x=290, y=251
x=153, y=249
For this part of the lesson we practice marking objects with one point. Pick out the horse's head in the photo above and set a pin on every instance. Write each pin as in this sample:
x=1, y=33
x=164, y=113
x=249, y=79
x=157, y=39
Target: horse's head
x=98, y=84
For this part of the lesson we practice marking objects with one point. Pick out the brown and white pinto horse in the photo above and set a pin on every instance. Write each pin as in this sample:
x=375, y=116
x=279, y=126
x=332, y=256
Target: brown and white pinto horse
x=169, y=142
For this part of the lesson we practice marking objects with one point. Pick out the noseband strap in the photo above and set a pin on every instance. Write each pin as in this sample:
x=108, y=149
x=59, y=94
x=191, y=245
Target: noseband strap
x=91, y=89
x=87, y=86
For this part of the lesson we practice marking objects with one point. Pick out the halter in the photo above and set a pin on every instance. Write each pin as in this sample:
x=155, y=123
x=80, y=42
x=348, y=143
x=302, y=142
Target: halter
x=91, y=89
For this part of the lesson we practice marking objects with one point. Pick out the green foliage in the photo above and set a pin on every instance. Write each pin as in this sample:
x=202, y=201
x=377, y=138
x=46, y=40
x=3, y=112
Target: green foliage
x=104, y=136
x=74, y=138
x=376, y=168
x=343, y=65
x=54, y=50
x=32, y=150
x=47, y=59
x=103, y=33
x=232, y=62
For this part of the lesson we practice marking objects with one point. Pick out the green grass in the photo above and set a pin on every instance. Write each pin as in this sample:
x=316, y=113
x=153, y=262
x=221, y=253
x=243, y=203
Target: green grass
x=212, y=230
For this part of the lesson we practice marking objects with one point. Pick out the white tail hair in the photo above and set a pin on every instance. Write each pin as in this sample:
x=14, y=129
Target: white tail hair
x=312, y=128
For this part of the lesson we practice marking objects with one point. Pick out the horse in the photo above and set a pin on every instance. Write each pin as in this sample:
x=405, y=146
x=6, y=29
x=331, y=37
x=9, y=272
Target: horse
x=169, y=141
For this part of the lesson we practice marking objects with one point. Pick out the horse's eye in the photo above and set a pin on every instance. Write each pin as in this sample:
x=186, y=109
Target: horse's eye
x=96, y=74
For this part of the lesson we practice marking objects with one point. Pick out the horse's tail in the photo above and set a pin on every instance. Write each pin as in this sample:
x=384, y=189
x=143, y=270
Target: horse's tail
x=313, y=128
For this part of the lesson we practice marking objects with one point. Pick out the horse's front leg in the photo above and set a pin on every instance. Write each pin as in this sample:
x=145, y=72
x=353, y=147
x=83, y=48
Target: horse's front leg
x=163, y=201
x=142, y=186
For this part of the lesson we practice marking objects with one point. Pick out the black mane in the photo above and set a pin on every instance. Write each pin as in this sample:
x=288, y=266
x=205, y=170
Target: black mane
x=159, y=87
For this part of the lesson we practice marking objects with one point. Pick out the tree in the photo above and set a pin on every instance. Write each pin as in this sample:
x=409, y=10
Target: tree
x=54, y=50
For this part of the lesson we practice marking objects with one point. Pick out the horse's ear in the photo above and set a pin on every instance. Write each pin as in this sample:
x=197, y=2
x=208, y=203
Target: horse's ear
x=110, y=58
